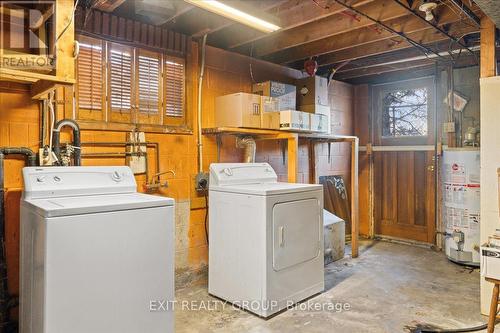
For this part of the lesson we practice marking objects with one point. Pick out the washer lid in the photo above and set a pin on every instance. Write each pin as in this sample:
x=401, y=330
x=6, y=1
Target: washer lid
x=77, y=205
x=268, y=188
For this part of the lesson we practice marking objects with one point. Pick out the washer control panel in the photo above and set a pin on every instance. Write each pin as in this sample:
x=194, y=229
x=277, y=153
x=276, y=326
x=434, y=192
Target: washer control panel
x=43, y=182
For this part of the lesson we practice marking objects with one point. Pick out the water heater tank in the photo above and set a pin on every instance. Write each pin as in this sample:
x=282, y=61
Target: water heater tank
x=461, y=204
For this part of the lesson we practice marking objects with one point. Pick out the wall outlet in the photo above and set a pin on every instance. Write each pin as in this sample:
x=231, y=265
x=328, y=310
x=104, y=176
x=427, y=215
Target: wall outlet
x=449, y=127
x=46, y=157
x=201, y=182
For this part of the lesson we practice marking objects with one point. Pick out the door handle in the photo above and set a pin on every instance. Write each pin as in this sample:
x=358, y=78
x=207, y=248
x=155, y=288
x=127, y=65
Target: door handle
x=282, y=236
x=430, y=168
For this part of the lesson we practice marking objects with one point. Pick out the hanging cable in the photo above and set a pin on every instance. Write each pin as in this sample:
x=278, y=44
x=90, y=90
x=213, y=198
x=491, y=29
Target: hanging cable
x=424, y=49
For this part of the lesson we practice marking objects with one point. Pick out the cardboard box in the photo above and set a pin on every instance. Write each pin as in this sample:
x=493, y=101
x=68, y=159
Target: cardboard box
x=312, y=90
x=238, y=110
x=319, y=123
x=294, y=120
x=321, y=110
x=286, y=94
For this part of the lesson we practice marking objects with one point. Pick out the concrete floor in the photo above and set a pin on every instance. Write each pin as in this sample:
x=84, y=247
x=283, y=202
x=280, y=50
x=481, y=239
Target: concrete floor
x=389, y=288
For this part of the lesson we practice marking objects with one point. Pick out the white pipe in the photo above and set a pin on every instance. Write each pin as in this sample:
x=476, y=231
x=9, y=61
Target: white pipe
x=422, y=57
x=200, y=85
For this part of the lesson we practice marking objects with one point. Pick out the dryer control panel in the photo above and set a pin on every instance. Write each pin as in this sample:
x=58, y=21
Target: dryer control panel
x=241, y=173
x=46, y=182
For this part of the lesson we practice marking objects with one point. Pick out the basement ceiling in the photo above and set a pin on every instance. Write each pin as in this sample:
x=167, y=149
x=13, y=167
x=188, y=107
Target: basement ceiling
x=490, y=8
x=352, y=38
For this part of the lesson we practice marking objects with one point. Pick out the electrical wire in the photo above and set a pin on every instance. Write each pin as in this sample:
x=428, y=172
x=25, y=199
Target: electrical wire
x=206, y=215
x=66, y=27
x=425, y=50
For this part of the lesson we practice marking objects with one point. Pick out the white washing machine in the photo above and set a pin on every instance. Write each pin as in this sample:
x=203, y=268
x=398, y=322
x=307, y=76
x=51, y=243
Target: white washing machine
x=96, y=256
x=266, y=238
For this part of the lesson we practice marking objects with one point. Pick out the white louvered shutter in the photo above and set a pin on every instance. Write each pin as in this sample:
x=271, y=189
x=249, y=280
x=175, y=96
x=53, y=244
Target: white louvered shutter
x=149, y=83
x=120, y=80
x=90, y=76
x=174, y=87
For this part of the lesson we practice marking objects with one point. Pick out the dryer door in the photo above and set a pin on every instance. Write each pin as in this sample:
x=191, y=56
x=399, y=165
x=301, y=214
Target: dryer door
x=296, y=232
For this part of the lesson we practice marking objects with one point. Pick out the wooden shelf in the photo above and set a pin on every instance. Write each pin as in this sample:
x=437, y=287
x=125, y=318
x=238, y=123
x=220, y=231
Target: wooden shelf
x=292, y=149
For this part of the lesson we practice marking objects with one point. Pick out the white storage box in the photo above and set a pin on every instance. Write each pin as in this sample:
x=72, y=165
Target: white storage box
x=319, y=109
x=319, y=123
x=238, y=110
x=334, y=237
x=490, y=262
x=294, y=120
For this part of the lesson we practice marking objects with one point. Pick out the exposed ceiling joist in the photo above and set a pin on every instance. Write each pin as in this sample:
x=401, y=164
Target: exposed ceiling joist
x=290, y=15
x=467, y=11
x=352, y=39
x=401, y=63
x=107, y=5
x=427, y=37
x=327, y=27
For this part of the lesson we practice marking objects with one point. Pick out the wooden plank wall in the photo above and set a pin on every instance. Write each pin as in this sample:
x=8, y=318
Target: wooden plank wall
x=123, y=30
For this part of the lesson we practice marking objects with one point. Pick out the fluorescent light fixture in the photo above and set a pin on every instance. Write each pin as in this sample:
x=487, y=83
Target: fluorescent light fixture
x=232, y=13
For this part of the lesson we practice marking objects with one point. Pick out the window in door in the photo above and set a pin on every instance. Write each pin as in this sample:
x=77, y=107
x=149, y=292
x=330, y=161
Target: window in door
x=405, y=113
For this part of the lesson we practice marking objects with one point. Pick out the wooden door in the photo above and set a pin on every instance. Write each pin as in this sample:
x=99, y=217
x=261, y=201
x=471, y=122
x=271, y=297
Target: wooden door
x=404, y=160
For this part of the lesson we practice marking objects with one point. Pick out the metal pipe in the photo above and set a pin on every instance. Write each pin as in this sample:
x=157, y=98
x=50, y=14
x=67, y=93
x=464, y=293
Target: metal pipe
x=200, y=86
x=248, y=143
x=56, y=135
x=467, y=11
x=156, y=146
x=5, y=297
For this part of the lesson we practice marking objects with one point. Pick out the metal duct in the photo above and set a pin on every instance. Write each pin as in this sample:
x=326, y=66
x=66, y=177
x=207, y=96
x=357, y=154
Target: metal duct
x=490, y=8
x=248, y=143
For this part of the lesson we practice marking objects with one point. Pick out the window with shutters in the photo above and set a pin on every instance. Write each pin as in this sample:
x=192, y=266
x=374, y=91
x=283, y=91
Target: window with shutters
x=120, y=62
x=174, y=89
x=129, y=86
x=90, y=79
x=148, y=86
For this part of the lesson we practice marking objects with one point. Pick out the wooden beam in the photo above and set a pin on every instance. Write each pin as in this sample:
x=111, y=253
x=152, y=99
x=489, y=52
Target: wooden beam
x=488, y=50
x=407, y=24
x=332, y=26
x=107, y=5
x=65, y=32
x=290, y=15
x=354, y=198
x=427, y=37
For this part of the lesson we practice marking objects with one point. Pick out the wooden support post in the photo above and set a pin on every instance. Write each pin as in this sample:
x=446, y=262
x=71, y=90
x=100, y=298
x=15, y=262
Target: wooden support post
x=293, y=157
x=312, y=162
x=354, y=197
x=488, y=53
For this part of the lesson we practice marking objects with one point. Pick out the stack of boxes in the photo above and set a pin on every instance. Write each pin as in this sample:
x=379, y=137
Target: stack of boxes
x=312, y=97
x=273, y=105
